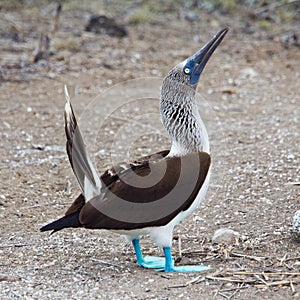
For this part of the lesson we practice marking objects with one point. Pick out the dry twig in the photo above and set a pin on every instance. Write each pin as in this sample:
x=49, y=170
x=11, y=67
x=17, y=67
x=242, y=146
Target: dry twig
x=256, y=258
x=262, y=273
x=193, y=281
x=43, y=48
x=230, y=279
x=4, y=277
x=292, y=287
x=280, y=282
x=273, y=6
x=105, y=262
x=294, y=183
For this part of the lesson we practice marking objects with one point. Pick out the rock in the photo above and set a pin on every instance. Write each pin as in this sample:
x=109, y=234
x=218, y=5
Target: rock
x=226, y=236
x=290, y=40
x=105, y=25
x=192, y=16
x=296, y=225
x=248, y=28
x=248, y=73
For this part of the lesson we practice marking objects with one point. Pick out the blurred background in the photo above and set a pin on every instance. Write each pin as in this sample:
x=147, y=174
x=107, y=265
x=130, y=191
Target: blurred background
x=49, y=38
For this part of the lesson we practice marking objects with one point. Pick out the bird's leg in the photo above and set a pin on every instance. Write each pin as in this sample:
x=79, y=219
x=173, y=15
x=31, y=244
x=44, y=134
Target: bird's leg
x=149, y=262
x=169, y=266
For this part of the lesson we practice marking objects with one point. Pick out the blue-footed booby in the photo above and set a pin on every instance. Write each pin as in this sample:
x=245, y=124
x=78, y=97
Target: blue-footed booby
x=153, y=194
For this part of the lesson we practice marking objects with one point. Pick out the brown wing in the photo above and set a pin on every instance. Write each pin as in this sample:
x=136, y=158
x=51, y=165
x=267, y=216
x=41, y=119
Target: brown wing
x=150, y=195
x=110, y=176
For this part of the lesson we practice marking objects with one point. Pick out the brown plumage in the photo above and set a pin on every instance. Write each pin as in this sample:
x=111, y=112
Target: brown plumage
x=177, y=175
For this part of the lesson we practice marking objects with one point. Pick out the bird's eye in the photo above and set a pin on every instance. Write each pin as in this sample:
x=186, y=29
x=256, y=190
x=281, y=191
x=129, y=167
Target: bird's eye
x=187, y=71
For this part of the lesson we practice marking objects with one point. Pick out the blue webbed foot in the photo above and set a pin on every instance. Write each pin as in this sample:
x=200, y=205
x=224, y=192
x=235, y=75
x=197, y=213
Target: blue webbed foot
x=152, y=262
x=149, y=262
x=169, y=266
x=184, y=269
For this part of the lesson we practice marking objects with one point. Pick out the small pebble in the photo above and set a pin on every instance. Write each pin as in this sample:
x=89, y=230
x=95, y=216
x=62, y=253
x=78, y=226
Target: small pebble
x=296, y=225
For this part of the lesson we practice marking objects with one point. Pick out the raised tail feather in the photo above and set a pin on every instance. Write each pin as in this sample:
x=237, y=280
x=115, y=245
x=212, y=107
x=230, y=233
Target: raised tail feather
x=83, y=169
x=80, y=161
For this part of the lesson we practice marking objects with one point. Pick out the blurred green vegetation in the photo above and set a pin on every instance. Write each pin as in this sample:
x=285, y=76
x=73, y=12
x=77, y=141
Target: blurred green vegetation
x=145, y=11
x=140, y=15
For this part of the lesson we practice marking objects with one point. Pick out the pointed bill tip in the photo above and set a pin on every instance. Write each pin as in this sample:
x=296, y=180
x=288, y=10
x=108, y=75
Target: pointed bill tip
x=223, y=30
x=219, y=36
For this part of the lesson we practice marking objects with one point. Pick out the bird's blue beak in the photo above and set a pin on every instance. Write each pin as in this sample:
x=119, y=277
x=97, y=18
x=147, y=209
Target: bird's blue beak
x=196, y=63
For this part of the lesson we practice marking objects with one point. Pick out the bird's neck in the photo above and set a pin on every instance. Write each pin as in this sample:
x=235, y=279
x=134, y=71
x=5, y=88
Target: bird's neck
x=181, y=118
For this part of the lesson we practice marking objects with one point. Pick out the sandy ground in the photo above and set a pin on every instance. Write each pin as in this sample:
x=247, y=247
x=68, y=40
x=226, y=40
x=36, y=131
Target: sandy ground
x=249, y=101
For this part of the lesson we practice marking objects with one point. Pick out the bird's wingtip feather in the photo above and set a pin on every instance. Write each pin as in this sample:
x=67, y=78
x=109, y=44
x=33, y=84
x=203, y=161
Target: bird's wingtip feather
x=66, y=93
x=68, y=107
